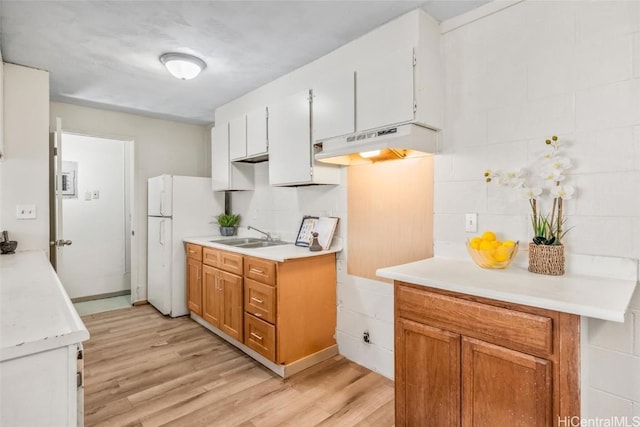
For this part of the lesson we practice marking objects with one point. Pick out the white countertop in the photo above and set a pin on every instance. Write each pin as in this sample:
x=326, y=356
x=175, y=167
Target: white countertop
x=596, y=297
x=35, y=312
x=278, y=253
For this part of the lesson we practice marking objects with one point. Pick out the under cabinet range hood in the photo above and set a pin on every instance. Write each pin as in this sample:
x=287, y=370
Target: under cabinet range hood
x=390, y=143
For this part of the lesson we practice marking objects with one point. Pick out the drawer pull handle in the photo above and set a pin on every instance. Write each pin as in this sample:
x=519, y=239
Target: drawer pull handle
x=257, y=314
x=259, y=301
x=256, y=336
x=256, y=270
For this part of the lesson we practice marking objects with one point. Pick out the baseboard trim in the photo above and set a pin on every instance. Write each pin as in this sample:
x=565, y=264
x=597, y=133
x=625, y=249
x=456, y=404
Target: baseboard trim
x=101, y=296
x=284, y=371
x=141, y=302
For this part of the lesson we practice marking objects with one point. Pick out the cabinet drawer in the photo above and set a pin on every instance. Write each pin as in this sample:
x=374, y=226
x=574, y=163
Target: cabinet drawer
x=231, y=262
x=260, y=336
x=211, y=257
x=194, y=251
x=260, y=270
x=260, y=300
x=530, y=333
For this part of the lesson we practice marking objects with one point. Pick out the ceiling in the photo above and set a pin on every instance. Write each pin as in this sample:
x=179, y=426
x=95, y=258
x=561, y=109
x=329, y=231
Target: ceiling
x=105, y=53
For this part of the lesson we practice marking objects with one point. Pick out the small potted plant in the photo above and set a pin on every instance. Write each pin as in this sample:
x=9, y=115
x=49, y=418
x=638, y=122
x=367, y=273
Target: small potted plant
x=228, y=224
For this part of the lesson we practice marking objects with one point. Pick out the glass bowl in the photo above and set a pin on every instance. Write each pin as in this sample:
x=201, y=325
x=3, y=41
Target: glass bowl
x=496, y=257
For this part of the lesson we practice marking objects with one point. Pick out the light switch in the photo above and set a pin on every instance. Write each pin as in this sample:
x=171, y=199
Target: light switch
x=26, y=212
x=471, y=223
x=87, y=195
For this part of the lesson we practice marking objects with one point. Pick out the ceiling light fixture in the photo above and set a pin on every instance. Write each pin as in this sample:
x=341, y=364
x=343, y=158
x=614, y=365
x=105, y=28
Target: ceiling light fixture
x=182, y=65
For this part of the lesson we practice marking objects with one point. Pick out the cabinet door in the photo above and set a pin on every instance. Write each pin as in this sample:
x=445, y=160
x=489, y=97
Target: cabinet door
x=231, y=322
x=211, y=295
x=194, y=285
x=503, y=387
x=385, y=93
x=257, y=132
x=238, y=138
x=427, y=375
x=220, y=157
x=334, y=106
x=290, y=141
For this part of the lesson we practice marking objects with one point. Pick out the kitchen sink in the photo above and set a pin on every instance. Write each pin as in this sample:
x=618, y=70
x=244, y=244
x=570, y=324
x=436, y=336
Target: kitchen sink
x=249, y=242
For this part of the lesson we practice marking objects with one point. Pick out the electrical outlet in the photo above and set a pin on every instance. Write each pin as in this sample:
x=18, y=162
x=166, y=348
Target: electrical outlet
x=471, y=223
x=366, y=337
x=95, y=194
x=26, y=212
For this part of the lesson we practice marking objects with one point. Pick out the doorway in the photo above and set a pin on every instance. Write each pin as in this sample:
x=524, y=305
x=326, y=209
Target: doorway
x=96, y=186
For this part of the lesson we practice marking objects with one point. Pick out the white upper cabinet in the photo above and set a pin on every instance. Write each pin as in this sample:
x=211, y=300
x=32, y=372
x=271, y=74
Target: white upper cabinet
x=385, y=90
x=334, y=106
x=257, y=142
x=290, y=155
x=224, y=174
x=238, y=138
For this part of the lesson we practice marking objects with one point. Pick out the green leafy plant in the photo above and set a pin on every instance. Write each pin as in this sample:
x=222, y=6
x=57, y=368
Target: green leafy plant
x=228, y=220
x=547, y=229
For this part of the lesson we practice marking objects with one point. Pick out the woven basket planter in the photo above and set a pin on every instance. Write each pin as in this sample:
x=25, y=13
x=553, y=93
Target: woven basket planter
x=544, y=259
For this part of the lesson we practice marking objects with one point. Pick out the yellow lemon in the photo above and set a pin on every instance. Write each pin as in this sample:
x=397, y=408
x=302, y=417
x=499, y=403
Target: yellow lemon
x=508, y=243
x=502, y=254
x=486, y=246
x=489, y=235
x=475, y=243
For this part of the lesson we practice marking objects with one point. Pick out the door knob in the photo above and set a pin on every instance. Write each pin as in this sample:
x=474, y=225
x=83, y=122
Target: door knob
x=61, y=243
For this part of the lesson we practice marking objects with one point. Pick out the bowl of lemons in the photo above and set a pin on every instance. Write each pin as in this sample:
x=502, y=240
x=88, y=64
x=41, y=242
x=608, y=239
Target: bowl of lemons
x=489, y=252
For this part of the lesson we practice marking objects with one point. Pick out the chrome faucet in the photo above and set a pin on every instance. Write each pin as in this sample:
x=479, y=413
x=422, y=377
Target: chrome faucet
x=269, y=238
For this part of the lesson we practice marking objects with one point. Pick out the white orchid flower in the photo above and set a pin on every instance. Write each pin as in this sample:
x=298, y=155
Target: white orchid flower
x=560, y=163
x=565, y=192
x=552, y=177
x=531, y=192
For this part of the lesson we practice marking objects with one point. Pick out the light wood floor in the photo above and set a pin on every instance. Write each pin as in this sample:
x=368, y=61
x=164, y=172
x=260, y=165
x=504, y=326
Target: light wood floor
x=143, y=369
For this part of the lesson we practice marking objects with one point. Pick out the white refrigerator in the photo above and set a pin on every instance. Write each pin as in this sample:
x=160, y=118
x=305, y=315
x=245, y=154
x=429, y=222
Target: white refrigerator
x=178, y=207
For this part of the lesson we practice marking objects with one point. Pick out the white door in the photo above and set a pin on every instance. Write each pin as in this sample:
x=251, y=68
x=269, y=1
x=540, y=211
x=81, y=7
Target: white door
x=257, y=132
x=58, y=241
x=290, y=141
x=159, y=263
x=238, y=138
x=159, y=194
x=334, y=106
x=385, y=93
x=96, y=216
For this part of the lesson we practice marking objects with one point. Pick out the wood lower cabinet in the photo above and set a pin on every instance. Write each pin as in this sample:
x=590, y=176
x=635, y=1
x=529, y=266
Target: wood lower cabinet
x=283, y=311
x=222, y=294
x=474, y=362
x=194, y=278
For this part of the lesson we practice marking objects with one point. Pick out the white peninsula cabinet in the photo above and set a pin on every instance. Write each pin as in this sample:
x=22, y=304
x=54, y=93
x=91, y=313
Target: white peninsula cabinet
x=224, y=174
x=41, y=363
x=290, y=156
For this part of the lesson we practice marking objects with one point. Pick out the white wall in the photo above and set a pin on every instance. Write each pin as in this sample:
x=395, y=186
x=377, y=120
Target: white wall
x=95, y=263
x=513, y=79
x=24, y=173
x=161, y=146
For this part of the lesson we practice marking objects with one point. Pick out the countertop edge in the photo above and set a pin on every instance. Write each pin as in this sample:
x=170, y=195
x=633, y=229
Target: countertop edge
x=279, y=253
x=613, y=313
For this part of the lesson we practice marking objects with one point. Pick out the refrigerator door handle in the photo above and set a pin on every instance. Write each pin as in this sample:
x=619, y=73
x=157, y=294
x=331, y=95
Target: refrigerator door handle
x=162, y=203
x=161, y=240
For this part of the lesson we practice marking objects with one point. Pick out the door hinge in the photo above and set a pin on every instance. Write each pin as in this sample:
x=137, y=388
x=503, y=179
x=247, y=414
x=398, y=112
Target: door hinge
x=310, y=171
x=415, y=107
x=55, y=151
x=415, y=60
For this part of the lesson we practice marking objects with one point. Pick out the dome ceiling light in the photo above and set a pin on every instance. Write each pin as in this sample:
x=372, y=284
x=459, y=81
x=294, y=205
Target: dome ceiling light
x=183, y=66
